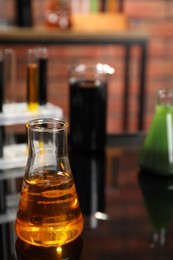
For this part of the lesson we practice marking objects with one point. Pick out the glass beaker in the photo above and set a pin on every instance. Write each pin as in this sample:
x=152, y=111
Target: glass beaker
x=88, y=106
x=58, y=14
x=157, y=151
x=49, y=213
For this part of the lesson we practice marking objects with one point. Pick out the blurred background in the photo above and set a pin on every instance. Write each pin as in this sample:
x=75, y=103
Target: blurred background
x=100, y=173
x=153, y=16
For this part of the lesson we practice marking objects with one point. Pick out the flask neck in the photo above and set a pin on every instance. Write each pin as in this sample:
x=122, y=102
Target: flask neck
x=165, y=97
x=47, y=136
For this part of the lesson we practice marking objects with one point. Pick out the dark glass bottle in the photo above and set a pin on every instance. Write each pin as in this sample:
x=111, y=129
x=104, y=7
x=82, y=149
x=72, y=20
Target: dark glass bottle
x=1, y=80
x=1, y=101
x=24, y=13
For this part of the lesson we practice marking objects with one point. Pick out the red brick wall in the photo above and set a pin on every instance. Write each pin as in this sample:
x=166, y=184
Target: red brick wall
x=156, y=17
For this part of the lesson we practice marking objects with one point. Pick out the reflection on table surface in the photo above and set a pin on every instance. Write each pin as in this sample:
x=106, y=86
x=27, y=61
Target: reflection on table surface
x=133, y=219
x=69, y=251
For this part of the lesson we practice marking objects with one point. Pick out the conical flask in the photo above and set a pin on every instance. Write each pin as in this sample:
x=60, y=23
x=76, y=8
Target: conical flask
x=48, y=213
x=157, y=151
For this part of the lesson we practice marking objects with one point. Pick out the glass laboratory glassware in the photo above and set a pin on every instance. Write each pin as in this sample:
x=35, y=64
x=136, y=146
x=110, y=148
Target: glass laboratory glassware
x=9, y=92
x=157, y=152
x=24, y=11
x=1, y=101
x=88, y=106
x=58, y=14
x=9, y=70
x=49, y=213
x=42, y=55
x=32, y=80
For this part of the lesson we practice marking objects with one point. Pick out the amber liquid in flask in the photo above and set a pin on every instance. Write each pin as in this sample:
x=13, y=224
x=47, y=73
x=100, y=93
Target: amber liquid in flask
x=49, y=213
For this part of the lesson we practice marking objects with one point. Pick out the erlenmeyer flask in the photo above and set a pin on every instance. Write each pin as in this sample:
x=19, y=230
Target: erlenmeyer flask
x=157, y=151
x=49, y=213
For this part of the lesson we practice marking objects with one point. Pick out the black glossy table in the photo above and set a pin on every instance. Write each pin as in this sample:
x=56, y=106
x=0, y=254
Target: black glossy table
x=133, y=217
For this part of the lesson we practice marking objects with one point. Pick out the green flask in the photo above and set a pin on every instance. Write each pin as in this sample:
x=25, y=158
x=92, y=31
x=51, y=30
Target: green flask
x=157, y=152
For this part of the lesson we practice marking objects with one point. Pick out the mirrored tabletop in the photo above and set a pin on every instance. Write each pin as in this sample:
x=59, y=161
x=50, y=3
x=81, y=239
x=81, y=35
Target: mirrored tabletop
x=127, y=216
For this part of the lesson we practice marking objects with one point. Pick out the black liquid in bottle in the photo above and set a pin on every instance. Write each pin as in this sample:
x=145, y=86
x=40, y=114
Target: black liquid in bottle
x=1, y=81
x=1, y=100
x=42, y=53
x=88, y=101
x=42, y=63
x=23, y=13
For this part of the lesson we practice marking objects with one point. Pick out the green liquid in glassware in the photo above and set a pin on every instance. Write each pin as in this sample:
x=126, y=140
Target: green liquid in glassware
x=157, y=151
x=158, y=197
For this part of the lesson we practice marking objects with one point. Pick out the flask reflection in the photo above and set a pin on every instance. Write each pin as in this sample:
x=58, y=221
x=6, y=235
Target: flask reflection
x=70, y=251
x=158, y=198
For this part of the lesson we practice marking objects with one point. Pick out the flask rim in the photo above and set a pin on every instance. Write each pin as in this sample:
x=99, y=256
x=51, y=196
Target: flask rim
x=164, y=96
x=47, y=124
